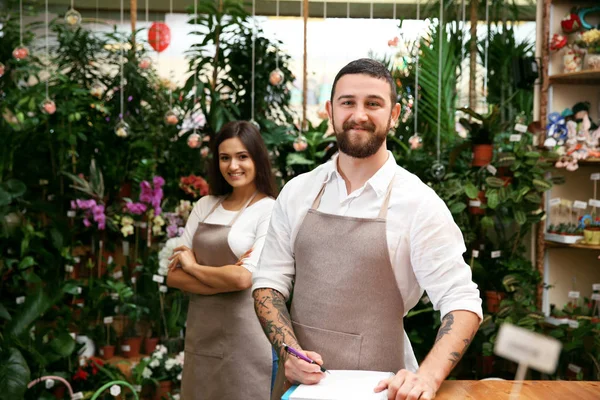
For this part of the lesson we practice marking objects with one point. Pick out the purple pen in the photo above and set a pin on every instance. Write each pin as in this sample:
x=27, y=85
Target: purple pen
x=301, y=356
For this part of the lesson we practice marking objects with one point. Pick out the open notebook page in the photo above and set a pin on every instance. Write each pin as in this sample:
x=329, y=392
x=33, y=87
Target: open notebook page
x=344, y=385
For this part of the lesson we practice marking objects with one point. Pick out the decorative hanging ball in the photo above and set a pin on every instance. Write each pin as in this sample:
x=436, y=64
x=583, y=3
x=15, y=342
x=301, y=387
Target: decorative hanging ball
x=438, y=170
x=300, y=143
x=276, y=77
x=159, y=36
x=73, y=17
x=416, y=141
x=171, y=118
x=122, y=129
x=145, y=63
x=97, y=90
x=20, y=53
x=204, y=152
x=193, y=141
x=2, y=69
x=48, y=107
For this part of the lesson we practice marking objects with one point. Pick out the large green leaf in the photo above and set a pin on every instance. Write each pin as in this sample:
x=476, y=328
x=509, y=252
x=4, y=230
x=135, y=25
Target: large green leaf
x=36, y=304
x=14, y=374
x=4, y=314
x=5, y=197
x=298, y=159
x=63, y=344
x=471, y=190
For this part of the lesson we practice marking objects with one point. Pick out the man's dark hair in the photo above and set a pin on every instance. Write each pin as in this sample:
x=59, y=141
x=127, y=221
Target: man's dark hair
x=368, y=67
x=252, y=140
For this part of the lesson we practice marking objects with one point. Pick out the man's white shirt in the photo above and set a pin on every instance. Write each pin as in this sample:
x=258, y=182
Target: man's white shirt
x=424, y=243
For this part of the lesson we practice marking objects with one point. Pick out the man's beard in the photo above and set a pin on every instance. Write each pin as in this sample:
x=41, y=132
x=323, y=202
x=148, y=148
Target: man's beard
x=373, y=142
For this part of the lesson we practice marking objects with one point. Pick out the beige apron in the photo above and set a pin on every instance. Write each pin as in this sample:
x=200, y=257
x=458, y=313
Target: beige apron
x=227, y=355
x=346, y=304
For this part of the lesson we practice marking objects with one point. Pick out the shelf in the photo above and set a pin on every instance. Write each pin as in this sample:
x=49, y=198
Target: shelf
x=550, y=243
x=586, y=77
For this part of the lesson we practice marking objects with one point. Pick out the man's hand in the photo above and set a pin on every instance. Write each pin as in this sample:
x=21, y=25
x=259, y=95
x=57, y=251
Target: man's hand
x=300, y=371
x=406, y=385
x=183, y=256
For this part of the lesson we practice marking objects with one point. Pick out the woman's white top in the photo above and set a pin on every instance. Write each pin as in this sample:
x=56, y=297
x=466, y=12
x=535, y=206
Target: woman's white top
x=248, y=232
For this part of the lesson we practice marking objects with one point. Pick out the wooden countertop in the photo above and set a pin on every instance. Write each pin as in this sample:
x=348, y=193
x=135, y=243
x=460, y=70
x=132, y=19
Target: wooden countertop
x=531, y=390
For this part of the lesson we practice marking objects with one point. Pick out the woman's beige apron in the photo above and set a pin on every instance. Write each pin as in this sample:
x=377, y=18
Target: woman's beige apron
x=346, y=304
x=227, y=355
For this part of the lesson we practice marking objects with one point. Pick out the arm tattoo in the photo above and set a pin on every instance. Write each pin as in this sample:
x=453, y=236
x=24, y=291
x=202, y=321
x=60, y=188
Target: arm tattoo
x=446, y=326
x=274, y=318
x=456, y=356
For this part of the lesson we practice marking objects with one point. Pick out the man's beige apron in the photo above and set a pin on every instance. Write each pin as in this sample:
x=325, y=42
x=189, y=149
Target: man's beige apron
x=346, y=304
x=227, y=355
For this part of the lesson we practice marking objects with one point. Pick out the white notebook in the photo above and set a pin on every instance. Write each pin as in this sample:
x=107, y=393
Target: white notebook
x=344, y=385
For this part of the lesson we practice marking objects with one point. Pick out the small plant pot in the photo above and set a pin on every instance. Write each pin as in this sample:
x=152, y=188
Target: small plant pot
x=131, y=347
x=482, y=154
x=162, y=390
x=150, y=345
x=591, y=236
x=108, y=352
x=475, y=209
x=493, y=299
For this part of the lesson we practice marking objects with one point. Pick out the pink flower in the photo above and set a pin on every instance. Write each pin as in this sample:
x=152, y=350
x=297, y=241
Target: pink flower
x=136, y=208
x=158, y=181
x=87, y=222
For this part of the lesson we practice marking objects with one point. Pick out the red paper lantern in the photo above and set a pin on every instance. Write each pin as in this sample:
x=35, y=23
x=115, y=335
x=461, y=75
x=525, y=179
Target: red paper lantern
x=159, y=36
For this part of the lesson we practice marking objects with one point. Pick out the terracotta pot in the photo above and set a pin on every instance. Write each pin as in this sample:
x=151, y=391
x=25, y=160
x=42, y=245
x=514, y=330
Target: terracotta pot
x=108, y=352
x=59, y=391
x=493, y=299
x=131, y=346
x=482, y=154
x=476, y=210
x=162, y=390
x=150, y=344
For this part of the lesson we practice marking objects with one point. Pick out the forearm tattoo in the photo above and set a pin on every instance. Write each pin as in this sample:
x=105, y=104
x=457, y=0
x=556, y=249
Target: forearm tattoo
x=446, y=326
x=274, y=318
x=445, y=329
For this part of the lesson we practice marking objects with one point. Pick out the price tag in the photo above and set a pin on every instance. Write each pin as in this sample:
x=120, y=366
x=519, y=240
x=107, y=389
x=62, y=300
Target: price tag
x=524, y=347
x=108, y=320
x=20, y=300
x=158, y=278
x=69, y=268
x=555, y=201
x=76, y=259
x=77, y=396
x=515, y=138
x=474, y=203
x=475, y=253
x=115, y=390
x=596, y=296
x=78, y=290
x=491, y=169
x=162, y=289
x=573, y=324
x=125, y=248
x=142, y=225
x=73, y=335
x=594, y=203
x=133, y=279
x=114, y=296
x=71, y=214
x=109, y=260
x=51, y=197
x=125, y=347
x=596, y=286
x=573, y=295
x=80, y=305
x=118, y=275
x=139, y=268
x=116, y=309
x=580, y=204
x=101, y=352
x=521, y=128
x=43, y=182
x=574, y=368
x=496, y=254
x=49, y=383
x=595, y=176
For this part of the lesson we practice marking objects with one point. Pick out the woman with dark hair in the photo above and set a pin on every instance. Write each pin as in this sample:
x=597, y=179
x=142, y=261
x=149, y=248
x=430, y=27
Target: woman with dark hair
x=227, y=356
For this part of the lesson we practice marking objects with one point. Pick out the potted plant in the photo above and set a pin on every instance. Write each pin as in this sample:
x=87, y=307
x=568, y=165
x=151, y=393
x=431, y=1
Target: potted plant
x=481, y=132
x=132, y=342
x=160, y=371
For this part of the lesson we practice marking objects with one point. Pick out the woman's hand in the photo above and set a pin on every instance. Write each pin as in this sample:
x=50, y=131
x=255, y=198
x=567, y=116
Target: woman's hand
x=243, y=257
x=184, y=257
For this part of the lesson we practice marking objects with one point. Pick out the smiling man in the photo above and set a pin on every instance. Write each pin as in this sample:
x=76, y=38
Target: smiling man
x=357, y=240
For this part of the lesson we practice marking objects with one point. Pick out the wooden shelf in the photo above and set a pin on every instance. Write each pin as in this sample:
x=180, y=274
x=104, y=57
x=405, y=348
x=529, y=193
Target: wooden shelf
x=550, y=243
x=586, y=77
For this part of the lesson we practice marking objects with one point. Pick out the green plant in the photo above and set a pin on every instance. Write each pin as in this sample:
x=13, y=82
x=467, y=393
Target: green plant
x=488, y=125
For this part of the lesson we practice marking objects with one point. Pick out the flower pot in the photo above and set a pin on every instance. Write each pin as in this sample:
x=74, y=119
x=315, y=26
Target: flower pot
x=593, y=61
x=108, y=352
x=59, y=391
x=131, y=347
x=591, y=236
x=162, y=391
x=482, y=154
x=150, y=344
x=475, y=204
x=493, y=299
x=573, y=61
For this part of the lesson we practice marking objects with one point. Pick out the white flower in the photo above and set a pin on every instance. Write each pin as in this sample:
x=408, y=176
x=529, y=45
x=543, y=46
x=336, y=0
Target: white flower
x=167, y=251
x=154, y=363
x=175, y=396
x=161, y=348
x=163, y=271
x=170, y=363
x=157, y=355
x=146, y=373
x=179, y=376
x=180, y=358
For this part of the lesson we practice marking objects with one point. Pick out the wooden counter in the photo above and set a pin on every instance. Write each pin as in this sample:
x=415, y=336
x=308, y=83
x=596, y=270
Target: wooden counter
x=531, y=390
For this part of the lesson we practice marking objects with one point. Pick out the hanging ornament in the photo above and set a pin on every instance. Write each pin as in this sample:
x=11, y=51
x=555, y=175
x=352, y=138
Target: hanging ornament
x=256, y=124
x=20, y=53
x=145, y=63
x=2, y=69
x=204, y=152
x=159, y=36
x=48, y=106
x=438, y=170
x=171, y=118
x=415, y=141
x=276, y=77
x=193, y=141
x=72, y=17
x=122, y=129
x=97, y=90
x=300, y=144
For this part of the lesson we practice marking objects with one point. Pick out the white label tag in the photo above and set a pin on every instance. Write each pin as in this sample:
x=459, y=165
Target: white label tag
x=573, y=294
x=474, y=203
x=595, y=176
x=49, y=383
x=491, y=169
x=118, y=275
x=496, y=254
x=125, y=347
x=109, y=260
x=137, y=388
x=521, y=128
x=574, y=324
x=475, y=253
x=114, y=296
x=139, y=268
x=73, y=335
x=77, y=396
x=101, y=352
x=596, y=296
x=555, y=201
x=125, y=248
x=142, y=225
x=515, y=138
x=78, y=290
x=71, y=214
x=108, y=320
x=69, y=268
x=76, y=259
x=162, y=289
x=522, y=346
x=20, y=300
x=80, y=305
x=574, y=368
x=133, y=279
x=594, y=203
x=580, y=204
x=596, y=286
x=158, y=278
x=116, y=309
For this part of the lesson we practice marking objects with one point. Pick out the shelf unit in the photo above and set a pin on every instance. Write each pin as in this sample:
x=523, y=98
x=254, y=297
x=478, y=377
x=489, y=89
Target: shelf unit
x=561, y=263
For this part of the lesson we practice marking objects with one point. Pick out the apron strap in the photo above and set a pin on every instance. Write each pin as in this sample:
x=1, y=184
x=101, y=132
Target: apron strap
x=217, y=204
x=243, y=208
x=317, y=201
x=386, y=202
